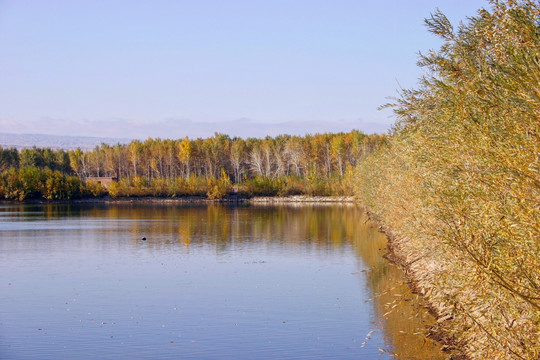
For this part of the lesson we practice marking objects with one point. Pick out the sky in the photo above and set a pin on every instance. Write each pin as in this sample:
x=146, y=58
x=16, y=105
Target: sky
x=249, y=68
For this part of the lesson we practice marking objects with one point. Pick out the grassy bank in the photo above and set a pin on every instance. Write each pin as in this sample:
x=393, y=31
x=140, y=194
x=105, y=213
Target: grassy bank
x=458, y=183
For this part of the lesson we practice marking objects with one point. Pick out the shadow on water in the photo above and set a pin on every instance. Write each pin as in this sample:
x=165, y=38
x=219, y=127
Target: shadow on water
x=399, y=314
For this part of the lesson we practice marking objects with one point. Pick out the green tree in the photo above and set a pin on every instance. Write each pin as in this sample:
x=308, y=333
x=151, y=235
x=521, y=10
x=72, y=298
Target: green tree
x=8, y=158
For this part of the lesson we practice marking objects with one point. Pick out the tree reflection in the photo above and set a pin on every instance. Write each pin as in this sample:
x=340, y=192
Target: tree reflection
x=327, y=228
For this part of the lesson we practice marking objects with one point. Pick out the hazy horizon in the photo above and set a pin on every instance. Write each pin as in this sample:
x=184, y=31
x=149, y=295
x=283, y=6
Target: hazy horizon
x=243, y=128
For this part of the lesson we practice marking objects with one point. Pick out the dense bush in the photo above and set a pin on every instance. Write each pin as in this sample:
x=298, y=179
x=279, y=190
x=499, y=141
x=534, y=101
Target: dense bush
x=219, y=188
x=261, y=186
x=34, y=183
x=459, y=180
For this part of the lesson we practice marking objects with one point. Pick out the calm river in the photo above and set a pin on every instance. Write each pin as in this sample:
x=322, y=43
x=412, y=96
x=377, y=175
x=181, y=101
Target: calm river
x=209, y=282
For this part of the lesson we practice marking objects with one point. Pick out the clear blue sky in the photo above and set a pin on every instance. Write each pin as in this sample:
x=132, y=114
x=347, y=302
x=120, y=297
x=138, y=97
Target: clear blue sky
x=243, y=67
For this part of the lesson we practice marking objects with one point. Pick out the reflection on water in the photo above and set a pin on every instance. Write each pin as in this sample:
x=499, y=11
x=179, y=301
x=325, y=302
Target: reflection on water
x=400, y=312
x=208, y=282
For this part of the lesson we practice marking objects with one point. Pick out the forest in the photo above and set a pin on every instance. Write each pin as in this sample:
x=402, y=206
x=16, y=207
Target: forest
x=320, y=164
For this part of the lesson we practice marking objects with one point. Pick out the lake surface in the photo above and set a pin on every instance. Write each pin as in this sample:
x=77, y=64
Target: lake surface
x=209, y=282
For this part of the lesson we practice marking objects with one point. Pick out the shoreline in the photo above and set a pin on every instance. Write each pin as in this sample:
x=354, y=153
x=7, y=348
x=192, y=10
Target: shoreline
x=256, y=200
x=394, y=256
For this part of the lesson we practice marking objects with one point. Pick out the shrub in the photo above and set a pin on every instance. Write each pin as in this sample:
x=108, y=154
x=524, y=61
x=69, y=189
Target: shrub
x=261, y=186
x=219, y=188
x=458, y=181
x=94, y=189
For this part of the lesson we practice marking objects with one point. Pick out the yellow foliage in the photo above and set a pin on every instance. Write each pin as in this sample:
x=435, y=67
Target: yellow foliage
x=459, y=181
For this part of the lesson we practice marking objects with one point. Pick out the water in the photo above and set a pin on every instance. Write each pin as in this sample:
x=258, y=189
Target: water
x=209, y=282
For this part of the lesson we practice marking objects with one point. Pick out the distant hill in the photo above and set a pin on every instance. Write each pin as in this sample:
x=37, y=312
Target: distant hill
x=21, y=141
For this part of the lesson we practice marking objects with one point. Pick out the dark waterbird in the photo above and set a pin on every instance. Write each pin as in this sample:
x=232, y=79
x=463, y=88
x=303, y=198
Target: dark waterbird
x=144, y=238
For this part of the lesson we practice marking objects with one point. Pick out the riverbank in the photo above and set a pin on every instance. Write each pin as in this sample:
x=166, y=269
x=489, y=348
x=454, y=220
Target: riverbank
x=398, y=255
x=458, y=181
x=197, y=200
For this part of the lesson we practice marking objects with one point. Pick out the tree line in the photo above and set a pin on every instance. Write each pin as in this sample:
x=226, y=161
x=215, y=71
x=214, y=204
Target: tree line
x=320, y=164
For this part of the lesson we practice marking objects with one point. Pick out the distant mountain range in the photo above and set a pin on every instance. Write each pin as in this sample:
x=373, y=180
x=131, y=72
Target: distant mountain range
x=21, y=141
